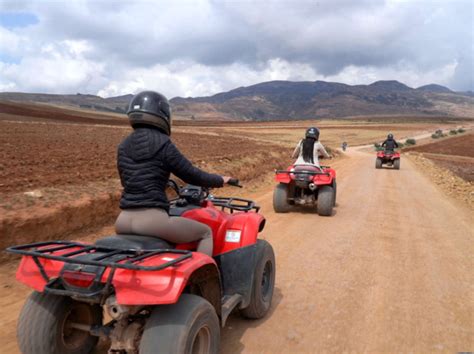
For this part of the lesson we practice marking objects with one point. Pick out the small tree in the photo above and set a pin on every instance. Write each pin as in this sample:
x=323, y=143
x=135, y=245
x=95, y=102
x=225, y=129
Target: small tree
x=435, y=136
x=410, y=141
x=461, y=130
x=453, y=132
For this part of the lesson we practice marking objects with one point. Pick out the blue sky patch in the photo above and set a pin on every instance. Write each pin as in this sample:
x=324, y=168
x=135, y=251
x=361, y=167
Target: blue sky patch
x=8, y=59
x=17, y=19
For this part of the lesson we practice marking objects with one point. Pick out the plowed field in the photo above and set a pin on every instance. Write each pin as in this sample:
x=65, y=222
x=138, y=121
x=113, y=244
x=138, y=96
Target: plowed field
x=455, y=154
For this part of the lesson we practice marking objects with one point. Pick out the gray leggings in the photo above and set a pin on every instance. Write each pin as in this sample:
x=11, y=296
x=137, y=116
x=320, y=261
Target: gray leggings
x=157, y=222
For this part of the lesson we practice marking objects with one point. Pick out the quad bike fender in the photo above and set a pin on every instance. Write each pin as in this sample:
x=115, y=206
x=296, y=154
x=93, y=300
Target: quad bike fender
x=134, y=287
x=283, y=178
x=238, y=271
x=382, y=155
x=158, y=287
x=240, y=230
x=321, y=180
x=29, y=274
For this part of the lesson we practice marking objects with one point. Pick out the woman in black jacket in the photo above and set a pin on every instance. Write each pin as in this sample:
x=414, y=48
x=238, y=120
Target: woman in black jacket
x=145, y=160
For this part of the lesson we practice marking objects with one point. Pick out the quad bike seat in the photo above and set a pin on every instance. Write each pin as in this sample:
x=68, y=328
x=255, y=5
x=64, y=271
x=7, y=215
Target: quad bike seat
x=309, y=168
x=134, y=242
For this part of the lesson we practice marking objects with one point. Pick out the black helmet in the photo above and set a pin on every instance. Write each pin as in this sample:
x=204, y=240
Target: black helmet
x=312, y=132
x=390, y=136
x=150, y=108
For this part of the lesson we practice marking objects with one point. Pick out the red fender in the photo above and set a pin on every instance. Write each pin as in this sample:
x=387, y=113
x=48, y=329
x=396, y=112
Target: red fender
x=230, y=231
x=156, y=288
x=321, y=180
x=283, y=177
x=29, y=274
x=131, y=287
x=240, y=230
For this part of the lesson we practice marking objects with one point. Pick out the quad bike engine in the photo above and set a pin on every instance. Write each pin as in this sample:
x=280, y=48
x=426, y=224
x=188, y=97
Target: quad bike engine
x=127, y=331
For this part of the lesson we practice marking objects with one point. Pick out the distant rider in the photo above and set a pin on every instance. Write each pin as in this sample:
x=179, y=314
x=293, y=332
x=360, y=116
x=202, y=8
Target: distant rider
x=309, y=149
x=390, y=144
x=344, y=146
x=145, y=160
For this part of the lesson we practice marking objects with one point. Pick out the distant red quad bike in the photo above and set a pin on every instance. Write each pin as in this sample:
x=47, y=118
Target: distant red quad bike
x=161, y=298
x=307, y=186
x=388, y=157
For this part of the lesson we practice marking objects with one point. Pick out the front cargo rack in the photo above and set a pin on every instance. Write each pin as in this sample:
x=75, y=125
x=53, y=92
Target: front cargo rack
x=238, y=204
x=122, y=258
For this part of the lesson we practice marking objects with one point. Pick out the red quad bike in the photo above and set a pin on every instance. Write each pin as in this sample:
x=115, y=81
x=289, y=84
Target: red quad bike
x=388, y=157
x=305, y=185
x=158, y=297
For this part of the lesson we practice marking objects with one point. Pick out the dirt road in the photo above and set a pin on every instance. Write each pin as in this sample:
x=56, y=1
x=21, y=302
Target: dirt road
x=391, y=271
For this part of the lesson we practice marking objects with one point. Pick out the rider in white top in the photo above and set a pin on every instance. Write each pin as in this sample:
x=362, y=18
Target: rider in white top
x=309, y=149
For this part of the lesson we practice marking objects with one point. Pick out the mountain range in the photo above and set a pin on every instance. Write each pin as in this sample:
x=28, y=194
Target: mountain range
x=282, y=100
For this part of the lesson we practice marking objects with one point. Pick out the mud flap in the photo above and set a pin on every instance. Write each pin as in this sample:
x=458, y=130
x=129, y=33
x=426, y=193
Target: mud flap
x=237, y=272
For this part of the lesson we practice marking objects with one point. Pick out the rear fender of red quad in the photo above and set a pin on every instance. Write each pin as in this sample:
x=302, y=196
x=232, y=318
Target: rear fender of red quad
x=160, y=287
x=322, y=180
x=29, y=274
x=133, y=287
x=283, y=178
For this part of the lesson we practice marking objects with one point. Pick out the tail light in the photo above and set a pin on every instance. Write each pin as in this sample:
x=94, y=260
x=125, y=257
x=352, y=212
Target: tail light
x=78, y=279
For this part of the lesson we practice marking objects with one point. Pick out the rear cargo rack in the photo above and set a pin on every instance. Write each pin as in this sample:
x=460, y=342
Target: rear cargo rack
x=311, y=173
x=122, y=258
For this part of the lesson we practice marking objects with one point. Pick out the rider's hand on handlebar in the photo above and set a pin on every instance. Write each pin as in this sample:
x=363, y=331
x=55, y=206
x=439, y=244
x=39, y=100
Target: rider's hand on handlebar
x=231, y=181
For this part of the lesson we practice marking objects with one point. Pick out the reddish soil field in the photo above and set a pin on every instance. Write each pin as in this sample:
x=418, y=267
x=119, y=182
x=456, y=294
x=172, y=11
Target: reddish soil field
x=464, y=169
x=460, y=146
x=455, y=154
x=49, y=155
x=72, y=170
x=38, y=112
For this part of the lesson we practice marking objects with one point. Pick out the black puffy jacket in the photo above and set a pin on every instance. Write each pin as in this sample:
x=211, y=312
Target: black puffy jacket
x=390, y=144
x=145, y=160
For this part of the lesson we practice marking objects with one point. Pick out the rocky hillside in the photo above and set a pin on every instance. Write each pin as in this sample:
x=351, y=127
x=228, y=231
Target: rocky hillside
x=279, y=100
x=301, y=100
x=112, y=104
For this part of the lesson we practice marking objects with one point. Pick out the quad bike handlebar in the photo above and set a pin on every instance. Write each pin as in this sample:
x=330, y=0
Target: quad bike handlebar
x=196, y=195
x=234, y=182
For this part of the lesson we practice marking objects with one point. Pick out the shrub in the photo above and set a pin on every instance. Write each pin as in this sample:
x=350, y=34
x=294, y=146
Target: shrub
x=410, y=142
x=376, y=145
x=438, y=134
x=453, y=132
x=400, y=145
x=461, y=130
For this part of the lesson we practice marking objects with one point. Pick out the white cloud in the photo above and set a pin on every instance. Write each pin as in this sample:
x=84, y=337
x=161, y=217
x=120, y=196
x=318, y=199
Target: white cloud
x=192, y=48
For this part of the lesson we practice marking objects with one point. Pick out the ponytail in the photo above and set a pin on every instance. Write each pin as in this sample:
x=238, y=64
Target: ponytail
x=308, y=150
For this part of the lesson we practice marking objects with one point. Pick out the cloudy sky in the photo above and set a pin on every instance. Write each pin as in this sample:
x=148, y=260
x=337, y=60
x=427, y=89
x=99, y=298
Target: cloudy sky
x=196, y=48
